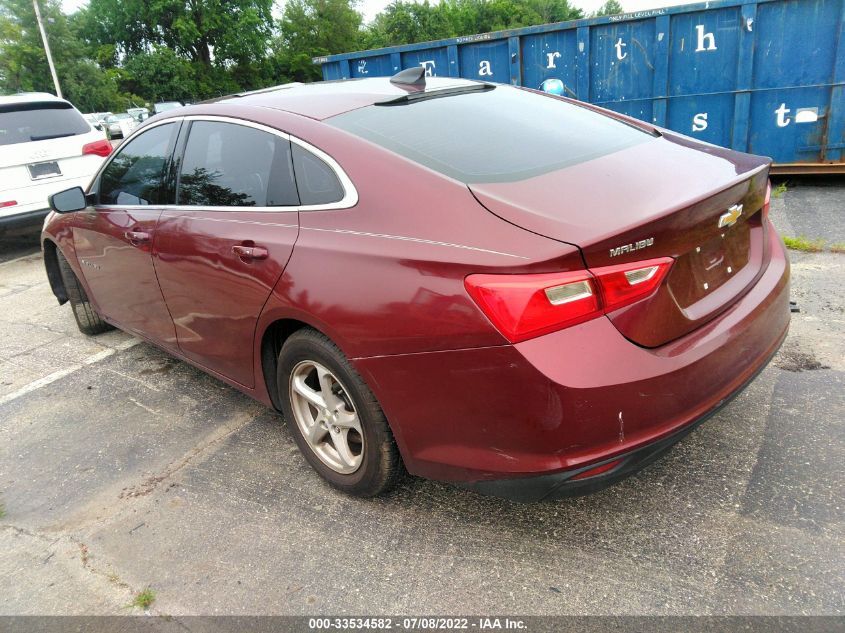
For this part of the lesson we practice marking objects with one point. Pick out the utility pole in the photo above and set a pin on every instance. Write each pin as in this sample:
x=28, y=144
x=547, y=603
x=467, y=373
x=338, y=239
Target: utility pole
x=47, y=48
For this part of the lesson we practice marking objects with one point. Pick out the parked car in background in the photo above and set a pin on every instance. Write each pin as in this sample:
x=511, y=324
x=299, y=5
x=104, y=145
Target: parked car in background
x=120, y=125
x=45, y=146
x=97, y=119
x=164, y=106
x=139, y=114
x=93, y=120
x=101, y=118
x=521, y=293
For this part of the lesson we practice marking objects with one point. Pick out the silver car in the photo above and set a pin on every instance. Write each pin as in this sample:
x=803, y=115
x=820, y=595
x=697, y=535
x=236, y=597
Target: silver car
x=120, y=125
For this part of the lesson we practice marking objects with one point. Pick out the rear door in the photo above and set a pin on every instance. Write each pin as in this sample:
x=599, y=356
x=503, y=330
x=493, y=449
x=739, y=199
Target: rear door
x=220, y=251
x=114, y=238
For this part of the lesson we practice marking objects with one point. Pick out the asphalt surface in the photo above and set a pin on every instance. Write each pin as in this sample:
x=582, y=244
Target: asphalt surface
x=122, y=469
x=813, y=208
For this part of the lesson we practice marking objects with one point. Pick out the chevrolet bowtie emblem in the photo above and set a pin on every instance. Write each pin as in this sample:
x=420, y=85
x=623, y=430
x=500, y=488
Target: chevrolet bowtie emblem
x=730, y=218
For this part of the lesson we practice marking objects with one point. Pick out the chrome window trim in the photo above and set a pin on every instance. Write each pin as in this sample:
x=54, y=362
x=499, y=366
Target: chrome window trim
x=350, y=193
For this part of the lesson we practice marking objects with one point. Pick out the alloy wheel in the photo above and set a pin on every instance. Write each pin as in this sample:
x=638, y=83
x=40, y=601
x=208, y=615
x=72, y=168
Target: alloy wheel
x=326, y=417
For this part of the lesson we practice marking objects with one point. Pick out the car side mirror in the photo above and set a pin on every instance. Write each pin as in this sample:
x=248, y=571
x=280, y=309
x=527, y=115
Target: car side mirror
x=68, y=201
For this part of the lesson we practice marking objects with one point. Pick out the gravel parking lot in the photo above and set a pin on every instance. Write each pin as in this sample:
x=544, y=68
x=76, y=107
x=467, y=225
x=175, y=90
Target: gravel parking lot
x=121, y=469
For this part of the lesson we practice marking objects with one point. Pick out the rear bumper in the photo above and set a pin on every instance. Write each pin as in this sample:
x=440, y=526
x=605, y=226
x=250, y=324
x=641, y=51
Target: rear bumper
x=568, y=484
x=548, y=408
x=33, y=198
x=25, y=219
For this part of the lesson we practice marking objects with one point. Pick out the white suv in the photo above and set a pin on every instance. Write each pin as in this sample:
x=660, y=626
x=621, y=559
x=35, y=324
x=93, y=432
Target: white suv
x=46, y=146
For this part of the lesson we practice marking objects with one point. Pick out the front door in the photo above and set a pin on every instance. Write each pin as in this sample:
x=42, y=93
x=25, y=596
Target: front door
x=115, y=237
x=221, y=250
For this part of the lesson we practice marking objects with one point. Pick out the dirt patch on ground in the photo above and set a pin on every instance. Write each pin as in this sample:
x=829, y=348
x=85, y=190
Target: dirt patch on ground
x=794, y=359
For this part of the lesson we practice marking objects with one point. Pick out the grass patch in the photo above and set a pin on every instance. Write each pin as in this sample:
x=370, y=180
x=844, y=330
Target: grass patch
x=778, y=191
x=144, y=599
x=839, y=247
x=804, y=244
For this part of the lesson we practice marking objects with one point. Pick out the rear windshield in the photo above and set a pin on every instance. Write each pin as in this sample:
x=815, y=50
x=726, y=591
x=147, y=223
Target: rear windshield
x=499, y=135
x=25, y=122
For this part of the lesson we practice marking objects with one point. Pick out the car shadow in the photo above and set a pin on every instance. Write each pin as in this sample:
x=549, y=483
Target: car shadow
x=19, y=242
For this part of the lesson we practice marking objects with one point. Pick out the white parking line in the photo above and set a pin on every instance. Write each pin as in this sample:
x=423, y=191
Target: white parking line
x=56, y=375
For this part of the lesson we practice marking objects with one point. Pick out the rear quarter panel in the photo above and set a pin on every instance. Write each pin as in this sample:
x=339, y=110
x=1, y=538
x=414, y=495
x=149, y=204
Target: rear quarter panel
x=386, y=276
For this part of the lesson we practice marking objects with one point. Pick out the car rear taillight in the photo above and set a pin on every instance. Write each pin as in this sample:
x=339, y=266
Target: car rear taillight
x=767, y=202
x=8, y=203
x=100, y=148
x=525, y=306
x=624, y=284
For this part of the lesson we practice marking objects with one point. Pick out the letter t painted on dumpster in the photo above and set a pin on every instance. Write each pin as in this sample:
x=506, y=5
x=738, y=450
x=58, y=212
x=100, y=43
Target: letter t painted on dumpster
x=782, y=119
x=619, y=44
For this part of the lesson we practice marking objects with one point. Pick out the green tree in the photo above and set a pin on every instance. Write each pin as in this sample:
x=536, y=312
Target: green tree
x=159, y=75
x=310, y=28
x=611, y=7
x=482, y=16
x=203, y=31
x=180, y=49
x=405, y=22
x=23, y=62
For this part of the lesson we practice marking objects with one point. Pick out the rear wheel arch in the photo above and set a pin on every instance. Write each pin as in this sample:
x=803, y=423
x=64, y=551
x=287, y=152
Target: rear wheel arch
x=273, y=339
x=275, y=334
x=271, y=345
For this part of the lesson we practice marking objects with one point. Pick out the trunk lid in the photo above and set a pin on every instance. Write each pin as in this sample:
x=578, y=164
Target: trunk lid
x=656, y=199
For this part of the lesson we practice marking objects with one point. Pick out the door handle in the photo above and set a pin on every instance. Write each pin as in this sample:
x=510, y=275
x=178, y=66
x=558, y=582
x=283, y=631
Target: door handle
x=248, y=253
x=137, y=237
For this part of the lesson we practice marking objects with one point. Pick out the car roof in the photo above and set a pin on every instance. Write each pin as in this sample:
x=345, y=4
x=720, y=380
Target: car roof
x=29, y=97
x=324, y=99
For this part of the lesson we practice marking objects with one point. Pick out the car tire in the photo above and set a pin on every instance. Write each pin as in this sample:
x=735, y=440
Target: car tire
x=87, y=319
x=380, y=465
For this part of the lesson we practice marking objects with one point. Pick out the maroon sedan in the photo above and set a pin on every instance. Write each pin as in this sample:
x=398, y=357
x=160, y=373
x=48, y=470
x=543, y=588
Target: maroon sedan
x=504, y=289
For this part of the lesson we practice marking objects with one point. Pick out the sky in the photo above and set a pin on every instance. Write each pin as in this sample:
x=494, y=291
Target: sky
x=371, y=7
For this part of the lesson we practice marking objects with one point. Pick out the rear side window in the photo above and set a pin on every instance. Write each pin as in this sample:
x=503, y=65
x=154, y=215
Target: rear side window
x=317, y=182
x=26, y=122
x=135, y=176
x=499, y=135
x=231, y=165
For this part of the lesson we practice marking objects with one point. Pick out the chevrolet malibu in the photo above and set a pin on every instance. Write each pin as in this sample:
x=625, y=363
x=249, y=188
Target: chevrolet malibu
x=512, y=291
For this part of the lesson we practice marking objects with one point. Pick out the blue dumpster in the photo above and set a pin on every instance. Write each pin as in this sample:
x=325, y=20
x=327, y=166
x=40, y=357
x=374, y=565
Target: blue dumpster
x=766, y=77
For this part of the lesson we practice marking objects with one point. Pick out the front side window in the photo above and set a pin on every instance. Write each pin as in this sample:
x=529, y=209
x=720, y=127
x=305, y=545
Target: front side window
x=231, y=165
x=135, y=176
